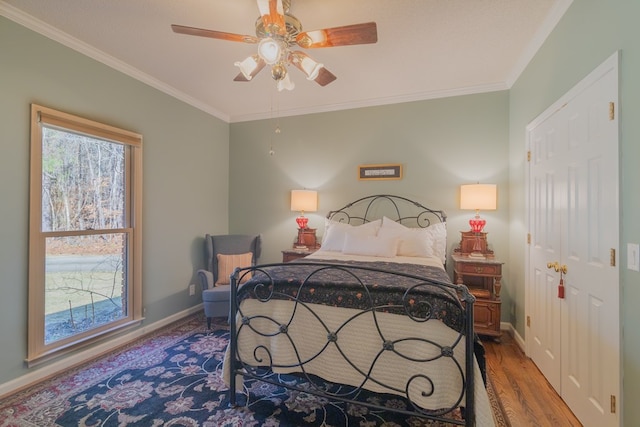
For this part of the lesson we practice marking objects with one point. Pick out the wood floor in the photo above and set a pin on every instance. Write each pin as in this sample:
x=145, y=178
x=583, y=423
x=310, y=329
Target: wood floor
x=527, y=397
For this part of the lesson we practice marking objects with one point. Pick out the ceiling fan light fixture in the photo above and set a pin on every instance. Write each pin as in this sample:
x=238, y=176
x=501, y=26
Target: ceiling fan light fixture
x=310, y=67
x=248, y=66
x=285, y=83
x=269, y=50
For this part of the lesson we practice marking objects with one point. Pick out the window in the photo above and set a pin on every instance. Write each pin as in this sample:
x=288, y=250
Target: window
x=85, y=232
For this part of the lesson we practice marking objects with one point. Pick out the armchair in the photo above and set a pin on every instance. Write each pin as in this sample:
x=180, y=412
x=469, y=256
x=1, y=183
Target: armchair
x=233, y=249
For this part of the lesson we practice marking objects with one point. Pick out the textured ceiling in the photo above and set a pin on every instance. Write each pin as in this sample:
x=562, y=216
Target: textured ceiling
x=426, y=48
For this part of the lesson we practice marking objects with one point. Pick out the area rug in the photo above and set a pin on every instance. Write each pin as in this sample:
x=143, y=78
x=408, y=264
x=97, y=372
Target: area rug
x=173, y=378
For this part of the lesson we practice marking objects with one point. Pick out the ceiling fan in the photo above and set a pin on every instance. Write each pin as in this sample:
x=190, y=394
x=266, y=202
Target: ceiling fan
x=277, y=33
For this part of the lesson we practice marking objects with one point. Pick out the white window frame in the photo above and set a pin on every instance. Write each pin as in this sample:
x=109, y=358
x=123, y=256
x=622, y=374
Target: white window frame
x=38, y=351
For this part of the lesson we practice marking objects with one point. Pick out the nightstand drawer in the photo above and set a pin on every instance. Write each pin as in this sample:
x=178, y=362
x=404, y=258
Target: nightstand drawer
x=492, y=270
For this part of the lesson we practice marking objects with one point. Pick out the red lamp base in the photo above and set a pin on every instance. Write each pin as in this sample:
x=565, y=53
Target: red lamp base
x=477, y=225
x=302, y=221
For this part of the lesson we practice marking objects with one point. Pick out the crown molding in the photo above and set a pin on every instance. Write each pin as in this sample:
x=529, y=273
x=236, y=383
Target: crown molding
x=67, y=40
x=28, y=21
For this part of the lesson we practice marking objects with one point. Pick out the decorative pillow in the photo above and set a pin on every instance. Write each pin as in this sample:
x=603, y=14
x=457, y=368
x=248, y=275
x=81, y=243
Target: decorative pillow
x=335, y=232
x=228, y=263
x=370, y=245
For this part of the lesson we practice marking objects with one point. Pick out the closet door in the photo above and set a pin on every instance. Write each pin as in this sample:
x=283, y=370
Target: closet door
x=574, y=333
x=548, y=182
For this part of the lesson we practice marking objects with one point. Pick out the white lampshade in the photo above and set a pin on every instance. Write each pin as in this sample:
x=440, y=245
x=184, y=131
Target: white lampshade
x=478, y=197
x=304, y=200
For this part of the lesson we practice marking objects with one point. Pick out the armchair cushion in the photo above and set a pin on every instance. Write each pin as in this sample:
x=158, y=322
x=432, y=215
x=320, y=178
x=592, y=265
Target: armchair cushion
x=228, y=263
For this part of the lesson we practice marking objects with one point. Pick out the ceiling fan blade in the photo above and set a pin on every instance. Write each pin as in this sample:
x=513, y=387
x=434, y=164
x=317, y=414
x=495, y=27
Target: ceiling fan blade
x=339, y=36
x=311, y=68
x=272, y=14
x=249, y=67
x=192, y=31
x=241, y=78
x=325, y=77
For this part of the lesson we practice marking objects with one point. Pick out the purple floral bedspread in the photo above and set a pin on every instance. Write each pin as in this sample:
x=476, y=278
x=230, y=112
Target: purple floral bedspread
x=422, y=292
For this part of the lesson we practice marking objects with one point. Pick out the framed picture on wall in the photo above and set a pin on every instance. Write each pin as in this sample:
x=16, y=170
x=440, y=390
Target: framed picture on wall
x=378, y=172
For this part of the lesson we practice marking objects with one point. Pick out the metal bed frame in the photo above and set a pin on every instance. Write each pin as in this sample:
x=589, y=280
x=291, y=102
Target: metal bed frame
x=269, y=289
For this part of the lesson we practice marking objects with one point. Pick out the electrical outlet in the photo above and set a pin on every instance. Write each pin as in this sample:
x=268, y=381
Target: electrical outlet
x=192, y=289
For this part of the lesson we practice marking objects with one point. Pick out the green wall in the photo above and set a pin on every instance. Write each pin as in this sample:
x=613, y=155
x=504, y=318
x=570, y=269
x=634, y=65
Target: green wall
x=589, y=33
x=440, y=143
x=185, y=173
x=233, y=184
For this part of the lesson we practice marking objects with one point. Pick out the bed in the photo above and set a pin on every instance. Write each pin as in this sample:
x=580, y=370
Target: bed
x=373, y=309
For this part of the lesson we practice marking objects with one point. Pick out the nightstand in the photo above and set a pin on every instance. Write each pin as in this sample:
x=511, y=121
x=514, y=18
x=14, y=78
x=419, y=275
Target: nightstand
x=291, y=254
x=483, y=278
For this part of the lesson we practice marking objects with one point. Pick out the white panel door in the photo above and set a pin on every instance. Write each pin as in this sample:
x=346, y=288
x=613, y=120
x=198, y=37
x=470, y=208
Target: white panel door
x=548, y=182
x=573, y=191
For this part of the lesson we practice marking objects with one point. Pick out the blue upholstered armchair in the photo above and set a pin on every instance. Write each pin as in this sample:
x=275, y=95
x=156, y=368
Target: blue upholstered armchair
x=222, y=253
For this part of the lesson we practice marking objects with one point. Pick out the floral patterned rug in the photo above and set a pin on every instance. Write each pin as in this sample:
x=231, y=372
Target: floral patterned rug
x=173, y=378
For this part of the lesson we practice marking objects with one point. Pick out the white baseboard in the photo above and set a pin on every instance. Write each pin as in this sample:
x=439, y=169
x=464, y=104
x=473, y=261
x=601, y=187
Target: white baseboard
x=504, y=326
x=47, y=371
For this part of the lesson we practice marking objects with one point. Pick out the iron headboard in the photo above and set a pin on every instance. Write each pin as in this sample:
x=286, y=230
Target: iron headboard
x=404, y=211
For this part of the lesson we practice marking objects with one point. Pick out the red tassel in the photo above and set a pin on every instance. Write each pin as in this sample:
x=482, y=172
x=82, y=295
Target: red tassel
x=561, y=289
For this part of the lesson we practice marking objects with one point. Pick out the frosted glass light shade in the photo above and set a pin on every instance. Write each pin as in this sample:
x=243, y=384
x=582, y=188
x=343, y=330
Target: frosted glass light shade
x=269, y=50
x=285, y=83
x=248, y=66
x=307, y=65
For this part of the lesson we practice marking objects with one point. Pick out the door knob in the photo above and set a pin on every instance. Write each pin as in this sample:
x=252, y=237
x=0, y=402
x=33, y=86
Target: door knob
x=557, y=267
x=562, y=269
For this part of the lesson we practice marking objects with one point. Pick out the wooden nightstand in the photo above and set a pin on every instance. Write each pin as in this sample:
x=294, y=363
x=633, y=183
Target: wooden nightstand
x=483, y=278
x=291, y=254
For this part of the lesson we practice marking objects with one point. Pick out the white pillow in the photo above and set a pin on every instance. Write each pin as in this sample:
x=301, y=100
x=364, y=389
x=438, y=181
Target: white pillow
x=438, y=237
x=414, y=242
x=335, y=232
x=388, y=222
x=370, y=245
x=375, y=225
x=435, y=235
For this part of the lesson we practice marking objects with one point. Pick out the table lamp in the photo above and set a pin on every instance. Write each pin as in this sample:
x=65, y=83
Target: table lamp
x=477, y=197
x=303, y=201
